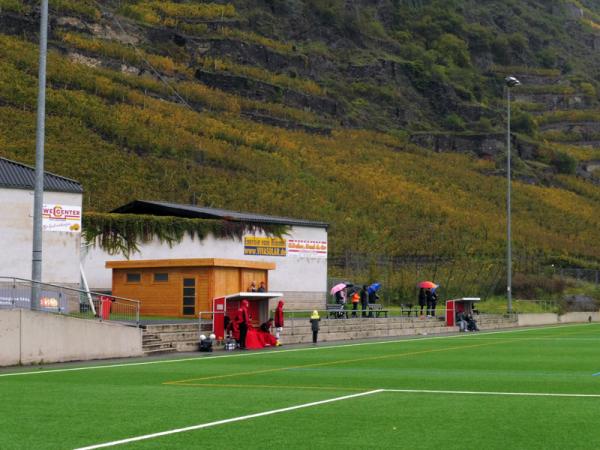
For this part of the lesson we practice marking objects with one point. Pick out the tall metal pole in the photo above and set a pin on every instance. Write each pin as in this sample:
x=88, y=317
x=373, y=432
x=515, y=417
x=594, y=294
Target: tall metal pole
x=38, y=199
x=508, y=209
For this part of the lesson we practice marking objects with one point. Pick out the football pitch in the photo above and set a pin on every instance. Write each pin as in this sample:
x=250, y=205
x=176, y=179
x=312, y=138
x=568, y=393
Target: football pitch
x=524, y=388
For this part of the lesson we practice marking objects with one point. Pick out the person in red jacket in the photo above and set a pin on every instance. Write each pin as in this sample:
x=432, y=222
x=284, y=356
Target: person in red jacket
x=279, y=320
x=242, y=319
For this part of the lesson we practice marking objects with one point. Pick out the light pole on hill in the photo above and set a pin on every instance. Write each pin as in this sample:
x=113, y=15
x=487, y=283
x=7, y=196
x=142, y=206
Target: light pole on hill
x=510, y=83
x=38, y=196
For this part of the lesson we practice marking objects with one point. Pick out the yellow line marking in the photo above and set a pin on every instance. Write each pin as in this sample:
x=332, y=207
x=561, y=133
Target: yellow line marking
x=269, y=386
x=331, y=363
x=482, y=338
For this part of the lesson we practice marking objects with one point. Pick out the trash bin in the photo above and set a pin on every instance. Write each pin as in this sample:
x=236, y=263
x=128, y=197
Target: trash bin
x=105, y=305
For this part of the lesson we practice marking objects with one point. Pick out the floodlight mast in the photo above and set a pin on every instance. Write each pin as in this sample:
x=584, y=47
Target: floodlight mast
x=510, y=83
x=38, y=196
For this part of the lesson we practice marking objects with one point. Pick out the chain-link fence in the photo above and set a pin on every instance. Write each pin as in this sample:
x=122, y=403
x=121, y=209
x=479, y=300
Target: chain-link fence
x=470, y=275
x=588, y=275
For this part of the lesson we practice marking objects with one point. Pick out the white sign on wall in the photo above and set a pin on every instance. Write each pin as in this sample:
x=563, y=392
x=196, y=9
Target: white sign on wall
x=306, y=248
x=62, y=218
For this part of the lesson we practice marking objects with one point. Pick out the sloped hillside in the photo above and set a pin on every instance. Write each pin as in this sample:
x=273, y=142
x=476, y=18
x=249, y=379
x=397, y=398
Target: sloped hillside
x=327, y=111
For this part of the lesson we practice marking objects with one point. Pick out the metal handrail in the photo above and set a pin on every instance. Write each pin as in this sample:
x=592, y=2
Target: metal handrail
x=127, y=310
x=70, y=289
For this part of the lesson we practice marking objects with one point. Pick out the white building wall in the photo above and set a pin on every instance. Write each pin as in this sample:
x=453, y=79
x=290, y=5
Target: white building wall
x=301, y=278
x=60, y=250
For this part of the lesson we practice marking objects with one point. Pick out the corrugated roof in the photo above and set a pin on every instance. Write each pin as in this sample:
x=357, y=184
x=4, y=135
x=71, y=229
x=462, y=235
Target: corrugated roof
x=19, y=176
x=199, y=212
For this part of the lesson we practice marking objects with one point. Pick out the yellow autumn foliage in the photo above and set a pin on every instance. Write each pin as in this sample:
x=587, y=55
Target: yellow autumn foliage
x=380, y=194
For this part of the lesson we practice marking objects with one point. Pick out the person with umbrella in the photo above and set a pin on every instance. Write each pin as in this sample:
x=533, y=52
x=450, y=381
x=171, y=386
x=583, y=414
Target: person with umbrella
x=422, y=299
x=339, y=293
x=373, y=297
x=372, y=290
x=431, y=301
x=430, y=297
x=364, y=300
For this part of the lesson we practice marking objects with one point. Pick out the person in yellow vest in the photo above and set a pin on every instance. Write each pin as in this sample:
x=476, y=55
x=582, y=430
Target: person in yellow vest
x=314, y=324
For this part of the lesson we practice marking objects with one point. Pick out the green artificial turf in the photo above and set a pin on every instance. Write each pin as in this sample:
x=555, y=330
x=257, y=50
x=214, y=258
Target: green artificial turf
x=71, y=409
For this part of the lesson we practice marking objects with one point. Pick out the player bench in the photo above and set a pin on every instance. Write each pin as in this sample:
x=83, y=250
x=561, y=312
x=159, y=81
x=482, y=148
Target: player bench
x=336, y=311
x=377, y=309
x=408, y=309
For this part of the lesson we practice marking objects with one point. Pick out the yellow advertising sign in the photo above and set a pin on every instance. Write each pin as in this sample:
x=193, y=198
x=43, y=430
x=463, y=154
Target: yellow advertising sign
x=264, y=246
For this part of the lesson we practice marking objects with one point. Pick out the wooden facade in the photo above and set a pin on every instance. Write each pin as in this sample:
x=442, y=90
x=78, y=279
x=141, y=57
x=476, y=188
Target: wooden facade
x=183, y=287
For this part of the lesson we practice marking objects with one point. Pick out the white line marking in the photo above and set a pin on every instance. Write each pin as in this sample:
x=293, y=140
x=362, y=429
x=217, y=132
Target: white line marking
x=233, y=419
x=323, y=402
x=276, y=352
x=516, y=394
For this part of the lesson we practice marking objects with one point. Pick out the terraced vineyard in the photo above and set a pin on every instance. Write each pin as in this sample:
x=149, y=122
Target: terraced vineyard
x=386, y=122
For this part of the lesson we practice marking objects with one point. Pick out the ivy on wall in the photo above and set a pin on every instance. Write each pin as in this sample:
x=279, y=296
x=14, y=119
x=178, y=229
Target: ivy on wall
x=123, y=233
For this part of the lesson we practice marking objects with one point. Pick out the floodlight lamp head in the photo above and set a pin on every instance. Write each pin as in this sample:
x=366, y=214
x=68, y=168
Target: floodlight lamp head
x=511, y=82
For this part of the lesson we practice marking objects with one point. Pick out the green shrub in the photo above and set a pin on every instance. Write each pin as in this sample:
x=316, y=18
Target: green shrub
x=564, y=163
x=536, y=286
x=522, y=122
x=547, y=58
x=81, y=8
x=484, y=124
x=588, y=89
x=454, y=48
x=501, y=50
x=13, y=6
x=454, y=122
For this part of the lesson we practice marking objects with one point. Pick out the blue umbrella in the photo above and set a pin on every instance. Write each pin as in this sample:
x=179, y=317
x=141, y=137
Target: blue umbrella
x=373, y=288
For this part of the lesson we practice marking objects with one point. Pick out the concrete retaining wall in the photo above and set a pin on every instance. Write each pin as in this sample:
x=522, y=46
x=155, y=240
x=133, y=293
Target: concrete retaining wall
x=526, y=320
x=10, y=337
x=299, y=330
x=575, y=317
x=30, y=337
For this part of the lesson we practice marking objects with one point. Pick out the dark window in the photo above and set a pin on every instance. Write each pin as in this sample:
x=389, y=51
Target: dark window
x=189, y=296
x=161, y=277
x=134, y=277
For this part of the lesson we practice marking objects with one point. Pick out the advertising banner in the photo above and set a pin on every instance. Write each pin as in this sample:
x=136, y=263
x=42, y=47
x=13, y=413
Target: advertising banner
x=307, y=249
x=20, y=297
x=61, y=218
x=264, y=246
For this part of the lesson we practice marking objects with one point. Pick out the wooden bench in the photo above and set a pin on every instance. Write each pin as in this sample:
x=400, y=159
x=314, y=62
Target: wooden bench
x=377, y=308
x=408, y=308
x=336, y=311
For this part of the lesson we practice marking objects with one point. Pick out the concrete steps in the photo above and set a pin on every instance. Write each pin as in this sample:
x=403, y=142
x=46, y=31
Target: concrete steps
x=170, y=338
x=185, y=337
